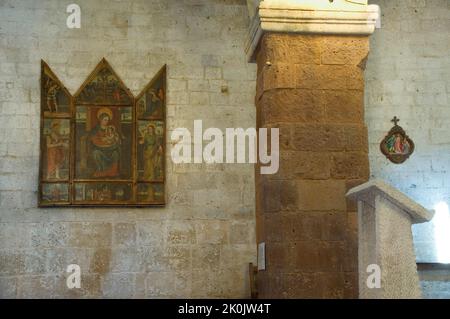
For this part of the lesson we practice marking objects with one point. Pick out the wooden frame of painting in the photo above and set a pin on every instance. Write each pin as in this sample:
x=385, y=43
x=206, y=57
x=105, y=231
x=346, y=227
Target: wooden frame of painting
x=102, y=147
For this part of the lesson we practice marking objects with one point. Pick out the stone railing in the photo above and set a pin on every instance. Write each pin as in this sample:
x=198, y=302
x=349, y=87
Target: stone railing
x=385, y=241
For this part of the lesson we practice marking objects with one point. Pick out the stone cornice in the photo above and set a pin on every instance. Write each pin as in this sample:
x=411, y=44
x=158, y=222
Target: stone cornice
x=276, y=17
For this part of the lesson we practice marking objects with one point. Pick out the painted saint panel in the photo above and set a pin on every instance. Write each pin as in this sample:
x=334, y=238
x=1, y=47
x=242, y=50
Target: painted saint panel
x=150, y=154
x=55, y=99
x=103, y=142
x=56, y=150
x=151, y=103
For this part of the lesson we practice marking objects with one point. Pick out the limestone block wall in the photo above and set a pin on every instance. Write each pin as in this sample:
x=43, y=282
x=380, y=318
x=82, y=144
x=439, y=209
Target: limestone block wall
x=408, y=75
x=201, y=243
x=311, y=87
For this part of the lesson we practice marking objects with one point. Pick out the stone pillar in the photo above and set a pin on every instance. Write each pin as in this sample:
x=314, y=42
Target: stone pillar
x=310, y=85
x=385, y=216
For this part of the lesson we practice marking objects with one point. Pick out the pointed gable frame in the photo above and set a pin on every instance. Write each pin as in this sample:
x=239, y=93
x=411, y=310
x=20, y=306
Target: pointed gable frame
x=103, y=90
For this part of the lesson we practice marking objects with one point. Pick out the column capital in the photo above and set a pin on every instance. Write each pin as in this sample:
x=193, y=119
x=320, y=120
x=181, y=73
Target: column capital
x=339, y=17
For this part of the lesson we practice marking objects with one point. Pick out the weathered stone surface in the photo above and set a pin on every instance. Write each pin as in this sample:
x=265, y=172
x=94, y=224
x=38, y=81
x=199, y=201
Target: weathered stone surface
x=90, y=234
x=206, y=257
x=308, y=77
x=303, y=165
x=90, y=288
x=290, y=105
x=37, y=286
x=154, y=259
x=302, y=213
x=341, y=106
x=319, y=137
x=48, y=234
x=117, y=248
x=58, y=259
x=181, y=233
x=178, y=258
x=321, y=195
x=124, y=234
x=326, y=226
x=126, y=260
x=338, y=50
x=212, y=232
x=12, y=262
x=329, y=77
x=357, y=139
x=281, y=75
x=241, y=232
x=350, y=165
x=118, y=285
x=8, y=287
x=35, y=261
x=317, y=256
x=289, y=48
x=271, y=196
x=101, y=261
x=150, y=233
x=160, y=284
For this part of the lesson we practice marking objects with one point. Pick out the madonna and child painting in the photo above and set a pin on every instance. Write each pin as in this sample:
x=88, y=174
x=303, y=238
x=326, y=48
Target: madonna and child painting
x=102, y=146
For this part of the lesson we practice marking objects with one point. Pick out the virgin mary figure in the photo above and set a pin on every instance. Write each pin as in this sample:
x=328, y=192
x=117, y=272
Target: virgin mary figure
x=105, y=143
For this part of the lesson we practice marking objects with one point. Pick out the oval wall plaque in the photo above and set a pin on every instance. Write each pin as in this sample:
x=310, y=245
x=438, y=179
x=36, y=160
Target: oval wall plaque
x=397, y=146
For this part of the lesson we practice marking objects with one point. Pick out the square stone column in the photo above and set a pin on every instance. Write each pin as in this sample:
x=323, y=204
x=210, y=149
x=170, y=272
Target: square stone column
x=385, y=217
x=310, y=85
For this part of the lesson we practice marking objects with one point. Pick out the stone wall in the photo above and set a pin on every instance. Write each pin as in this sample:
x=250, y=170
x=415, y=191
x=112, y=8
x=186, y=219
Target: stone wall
x=311, y=87
x=200, y=244
x=408, y=75
x=435, y=281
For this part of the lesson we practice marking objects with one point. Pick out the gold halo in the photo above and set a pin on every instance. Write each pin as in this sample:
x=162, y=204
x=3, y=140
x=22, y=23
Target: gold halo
x=104, y=110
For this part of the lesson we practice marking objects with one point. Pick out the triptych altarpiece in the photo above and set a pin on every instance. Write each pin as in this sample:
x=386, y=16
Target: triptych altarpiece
x=102, y=146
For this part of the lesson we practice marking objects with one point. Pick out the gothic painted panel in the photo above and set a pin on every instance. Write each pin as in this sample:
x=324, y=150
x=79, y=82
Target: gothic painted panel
x=97, y=148
x=56, y=150
x=150, y=154
x=104, y=88
x=55, y=98
x=151, y=103
x=103, y=137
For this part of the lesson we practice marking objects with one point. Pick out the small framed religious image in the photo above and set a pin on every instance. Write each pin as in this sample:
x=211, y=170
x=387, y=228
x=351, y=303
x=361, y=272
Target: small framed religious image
x=102, y=146
x=397, y=146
